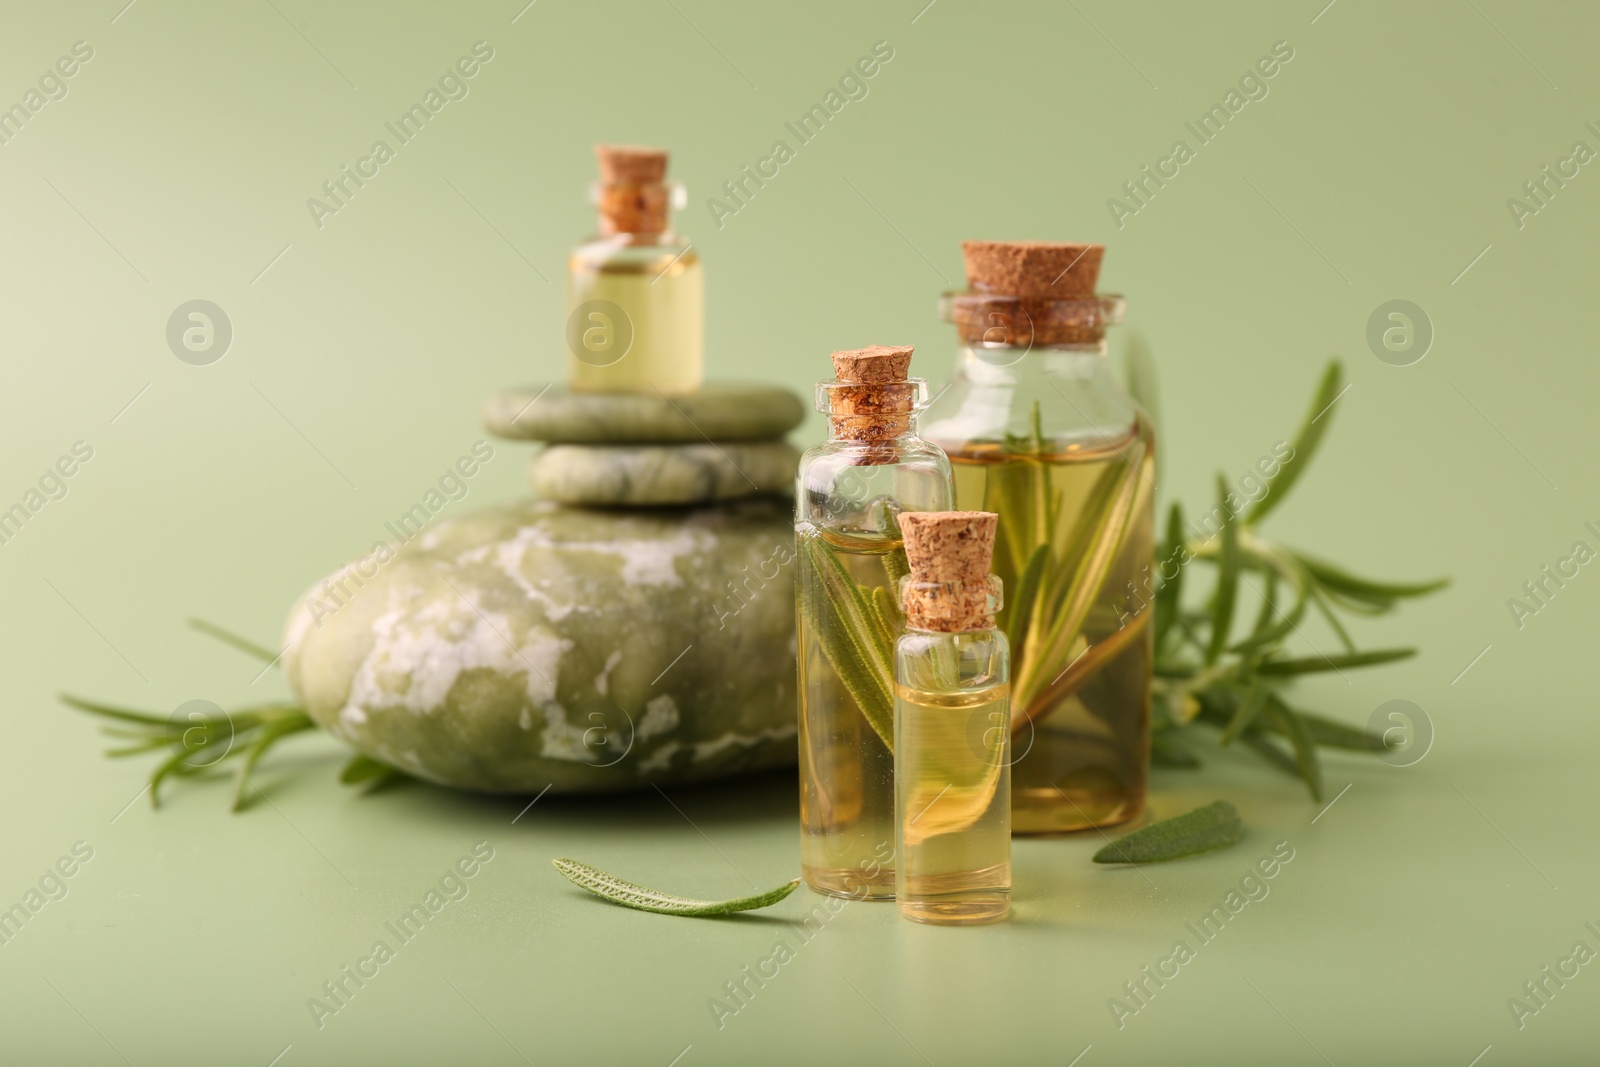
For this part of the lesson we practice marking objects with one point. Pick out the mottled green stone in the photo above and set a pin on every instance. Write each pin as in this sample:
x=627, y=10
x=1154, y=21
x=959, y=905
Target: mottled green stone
x=718, y=412
x=528, y=645
x=663, y=474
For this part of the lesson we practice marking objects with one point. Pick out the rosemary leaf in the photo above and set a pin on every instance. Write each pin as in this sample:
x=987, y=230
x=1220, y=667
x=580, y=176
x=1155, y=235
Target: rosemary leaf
x=1316, y=423
x=1255, y=698
x=1168, y=597
x=1165, y=752
x=1027, y=591
x=1206, y=829
x=228, y=637
x=1318, y=664
x=849, y=632
x=1272, y=753
x=1305, y=749
x=366, y=769
x=630, y=895
x=1384, y=594
x=1227, y=592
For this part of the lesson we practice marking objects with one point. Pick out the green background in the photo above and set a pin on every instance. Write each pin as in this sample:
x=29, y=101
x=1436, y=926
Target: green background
x=178, y=166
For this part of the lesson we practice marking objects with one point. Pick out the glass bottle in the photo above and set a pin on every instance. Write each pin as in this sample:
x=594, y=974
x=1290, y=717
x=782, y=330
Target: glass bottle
x=850, y=492
x=635, y=293
x=952, y=735
x=1039, y=430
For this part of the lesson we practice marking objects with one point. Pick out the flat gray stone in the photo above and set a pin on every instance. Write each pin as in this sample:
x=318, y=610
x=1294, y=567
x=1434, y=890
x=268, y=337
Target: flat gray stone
x=527, y=645
x=718, y=412
x=663, y=474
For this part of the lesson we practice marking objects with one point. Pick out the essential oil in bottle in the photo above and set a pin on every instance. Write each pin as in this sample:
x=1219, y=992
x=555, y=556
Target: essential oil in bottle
x=635, y=293
x=850, y=492
x=1039, y=430
x=952, y=735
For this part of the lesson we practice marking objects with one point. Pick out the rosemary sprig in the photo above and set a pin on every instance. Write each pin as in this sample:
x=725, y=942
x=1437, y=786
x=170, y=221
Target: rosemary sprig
x=198, y=744
x=630, y=895
x=1208, y=674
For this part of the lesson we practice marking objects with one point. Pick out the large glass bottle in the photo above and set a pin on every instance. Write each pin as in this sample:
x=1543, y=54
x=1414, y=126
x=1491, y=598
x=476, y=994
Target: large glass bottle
x=952, y=731
x=1039, y=430
x=850, y=492
x=635, y=293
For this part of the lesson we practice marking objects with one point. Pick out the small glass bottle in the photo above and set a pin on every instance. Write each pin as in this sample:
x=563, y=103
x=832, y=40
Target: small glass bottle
x=1039, y=430
x=952, y=731
x=850, y=492
x=635, y=293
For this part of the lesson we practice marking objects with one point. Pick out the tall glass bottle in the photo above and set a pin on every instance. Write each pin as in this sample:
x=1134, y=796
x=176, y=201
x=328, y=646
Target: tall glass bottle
x=952, y=733
x=1039, y=430
x=850, y=493
x=635, y=293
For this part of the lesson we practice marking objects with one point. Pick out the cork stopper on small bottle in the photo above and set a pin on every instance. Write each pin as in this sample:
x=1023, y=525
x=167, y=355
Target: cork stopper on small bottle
x=633, y=194
x=1042, y=292
x=950, y=589
x=874, y=398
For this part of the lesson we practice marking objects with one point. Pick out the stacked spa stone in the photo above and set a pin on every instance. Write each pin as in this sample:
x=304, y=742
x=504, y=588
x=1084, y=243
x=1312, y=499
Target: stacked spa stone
x=724, y=442
x=631, y=625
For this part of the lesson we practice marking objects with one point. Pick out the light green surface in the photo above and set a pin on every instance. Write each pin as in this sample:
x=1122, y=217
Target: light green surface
x=1379, y=166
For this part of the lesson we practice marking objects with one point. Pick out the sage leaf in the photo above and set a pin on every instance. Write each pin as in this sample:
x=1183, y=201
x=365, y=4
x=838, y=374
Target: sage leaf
x=1205, y=829
x=630, y=895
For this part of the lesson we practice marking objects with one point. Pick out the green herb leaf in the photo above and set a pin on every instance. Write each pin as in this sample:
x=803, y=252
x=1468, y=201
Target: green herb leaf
x=1227, y=591
x=1383, y=594
x=852, y=634
x=1165, y=752
x=365, y=769
x=1306, y=441
x=630, y=895
x=1255, y=698
x=1319, y=664
x=1305, y=749
x=228, y=637
x=1168, y=602
x=1205, y=829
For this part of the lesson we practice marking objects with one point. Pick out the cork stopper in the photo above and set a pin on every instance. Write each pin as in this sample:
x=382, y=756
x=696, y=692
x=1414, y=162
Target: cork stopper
x=1031, y=292
x=950, y=589
x=626, y=164
x=1032, y=268
x=633, y=195
x=874, y=397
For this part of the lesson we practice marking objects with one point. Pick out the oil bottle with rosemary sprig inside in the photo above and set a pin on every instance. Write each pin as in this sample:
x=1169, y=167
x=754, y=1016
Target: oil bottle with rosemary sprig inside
x=850, y=492
x=1039, y=430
